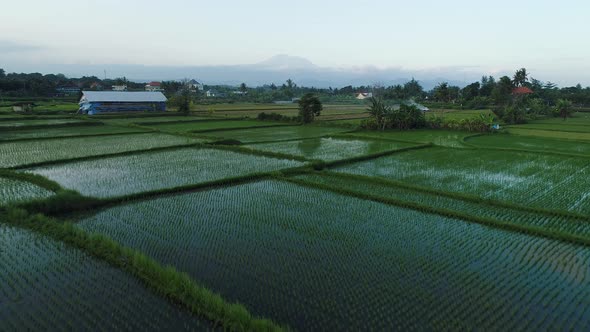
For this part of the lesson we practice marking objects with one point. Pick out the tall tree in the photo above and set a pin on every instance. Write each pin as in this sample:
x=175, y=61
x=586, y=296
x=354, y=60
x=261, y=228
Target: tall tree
x=441, y=92
x=310, y=106
x=563, y=108
x=243, y=87
x=520, y=77
x=413, y=89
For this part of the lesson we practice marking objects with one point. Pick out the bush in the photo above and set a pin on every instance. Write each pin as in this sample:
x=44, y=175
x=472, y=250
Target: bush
x=276, y=117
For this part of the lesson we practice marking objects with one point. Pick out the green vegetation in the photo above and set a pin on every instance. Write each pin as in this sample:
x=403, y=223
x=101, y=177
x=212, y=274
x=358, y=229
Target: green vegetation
x=13, y=190
x=123, y=175
x=19, y=124
x=318, y=227
x=503, y=141
x=166, y=281
x=348, y=263
x=525, y=178
x=330, y=149
x=205, y=126
x=35, y=152
x=283, y=133
x=65, y=132
x=310, y=106
x=46, y=285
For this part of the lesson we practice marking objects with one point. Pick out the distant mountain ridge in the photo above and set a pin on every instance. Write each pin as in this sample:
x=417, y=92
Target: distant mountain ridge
x=276, y=69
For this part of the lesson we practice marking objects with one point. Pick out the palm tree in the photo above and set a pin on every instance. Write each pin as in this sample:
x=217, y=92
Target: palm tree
x=378, y=110
x=564, y=108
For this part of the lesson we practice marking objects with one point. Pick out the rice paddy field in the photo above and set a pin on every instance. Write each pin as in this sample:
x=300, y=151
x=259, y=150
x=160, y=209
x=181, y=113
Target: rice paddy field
x=15, y=154
x=201, y=223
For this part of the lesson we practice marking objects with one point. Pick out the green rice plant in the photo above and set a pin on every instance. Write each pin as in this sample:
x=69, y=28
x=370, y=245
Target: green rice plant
x=124, y=175
x=318, y=260
x=12, y=191
x=550, y=134
x=329, y=149
x=46, y=285
x=7, y=125
x=203, y=126
x=274, y=134
x=64, y=132
x=178, y=287
x=437, y=137
x=23, y=153
x=361, y=186
x=547, y=181
x=545, y=145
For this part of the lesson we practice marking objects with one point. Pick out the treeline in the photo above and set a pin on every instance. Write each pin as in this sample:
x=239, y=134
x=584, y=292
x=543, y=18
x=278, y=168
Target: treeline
x=491, y=92
x=487, y=93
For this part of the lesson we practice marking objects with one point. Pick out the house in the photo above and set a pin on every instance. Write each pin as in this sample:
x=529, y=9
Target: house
x=521, y=91
x=95, y=102
x=364, y=95
x=154, y=87
x=195, y=86
x=119, y=87
x=212, y=94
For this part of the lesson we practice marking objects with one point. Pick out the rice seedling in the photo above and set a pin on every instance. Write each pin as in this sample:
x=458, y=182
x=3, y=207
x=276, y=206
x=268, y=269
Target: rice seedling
x=64, y=132
x=123, y=175
x=531, y=143
x=548, y=181
x=22, y=153
x=45, y=285
x=12, y=191
x=274, y=134
x=322, y=261
x=329, y=149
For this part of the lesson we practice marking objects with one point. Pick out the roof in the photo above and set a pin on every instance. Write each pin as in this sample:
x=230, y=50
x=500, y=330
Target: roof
x=154, y=84
x=123, y=96
x=521, y=90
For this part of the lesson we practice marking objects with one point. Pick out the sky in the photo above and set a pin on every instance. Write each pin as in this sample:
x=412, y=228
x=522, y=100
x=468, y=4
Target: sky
x=546, y=37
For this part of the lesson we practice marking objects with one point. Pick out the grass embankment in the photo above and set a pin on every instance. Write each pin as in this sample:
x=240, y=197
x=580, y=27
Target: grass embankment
x=166, y=281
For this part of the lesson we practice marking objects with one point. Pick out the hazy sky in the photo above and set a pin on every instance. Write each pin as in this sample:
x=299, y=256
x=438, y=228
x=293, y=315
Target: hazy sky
x=547, y=37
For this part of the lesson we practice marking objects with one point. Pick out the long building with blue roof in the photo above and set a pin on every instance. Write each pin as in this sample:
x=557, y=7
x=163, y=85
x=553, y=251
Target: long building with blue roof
x=95, y=102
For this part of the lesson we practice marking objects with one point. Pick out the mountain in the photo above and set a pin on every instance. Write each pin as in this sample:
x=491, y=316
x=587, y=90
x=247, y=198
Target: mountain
x=276, y=69
x=286, y=62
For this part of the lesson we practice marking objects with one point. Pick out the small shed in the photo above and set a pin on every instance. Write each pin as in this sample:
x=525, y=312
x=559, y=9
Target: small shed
x=95, y=102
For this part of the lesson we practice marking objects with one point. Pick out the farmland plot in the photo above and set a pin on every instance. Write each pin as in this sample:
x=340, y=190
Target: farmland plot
x=558, y=223
x=146, y=120
x=207, y=125
x=329, y=148
x=64, y=132
x=45, y=285
x=321, y=261
x=545, y=181
x=12, y=190
x=446, y=138
x=531, y=143
x=282, y=133
x=550, y=133
x=30, y=152
x=124, y=175
x=46, y=122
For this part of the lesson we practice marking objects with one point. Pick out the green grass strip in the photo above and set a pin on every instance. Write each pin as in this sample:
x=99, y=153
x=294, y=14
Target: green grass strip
x=530, y=230
x=35, y=179
x=164, y=280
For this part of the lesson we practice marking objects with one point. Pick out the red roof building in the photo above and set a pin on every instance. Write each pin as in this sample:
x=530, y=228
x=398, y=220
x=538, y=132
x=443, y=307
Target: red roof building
x=521, y=90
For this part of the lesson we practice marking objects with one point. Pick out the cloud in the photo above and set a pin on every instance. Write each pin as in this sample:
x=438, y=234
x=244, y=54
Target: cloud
x=11, y=47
